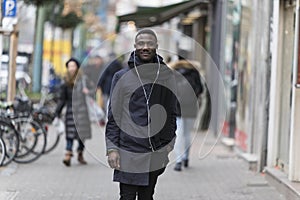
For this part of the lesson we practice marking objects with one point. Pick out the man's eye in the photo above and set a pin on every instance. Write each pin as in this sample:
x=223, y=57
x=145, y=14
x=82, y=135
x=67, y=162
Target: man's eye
x=149, y=44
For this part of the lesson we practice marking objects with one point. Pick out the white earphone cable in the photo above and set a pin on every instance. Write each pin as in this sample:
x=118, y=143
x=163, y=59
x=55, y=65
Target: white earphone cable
x=147, y=97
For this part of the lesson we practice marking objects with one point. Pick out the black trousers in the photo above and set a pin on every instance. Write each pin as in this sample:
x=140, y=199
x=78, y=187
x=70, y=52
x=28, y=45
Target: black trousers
x=129, y=192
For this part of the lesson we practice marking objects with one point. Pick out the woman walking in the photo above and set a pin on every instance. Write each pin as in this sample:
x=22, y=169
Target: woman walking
x=77, y=123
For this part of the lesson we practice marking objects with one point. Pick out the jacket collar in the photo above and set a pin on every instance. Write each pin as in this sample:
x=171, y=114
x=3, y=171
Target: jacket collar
x=157, y=58
x=149, y=70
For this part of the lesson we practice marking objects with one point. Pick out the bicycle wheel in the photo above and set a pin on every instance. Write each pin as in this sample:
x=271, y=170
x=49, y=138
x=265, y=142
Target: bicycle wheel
x=2, y=152
x=10, y=138
x=32, y=140
x=53, y=138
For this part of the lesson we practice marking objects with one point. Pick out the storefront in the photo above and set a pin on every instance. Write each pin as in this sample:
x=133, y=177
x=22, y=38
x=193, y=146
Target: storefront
x=233, y=12
x=244, y=68
x=284, y=135
x=249, y=81
x=281, y=85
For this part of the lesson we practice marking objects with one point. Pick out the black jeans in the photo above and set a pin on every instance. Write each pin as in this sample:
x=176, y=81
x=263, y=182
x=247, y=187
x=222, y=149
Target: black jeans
x=129, y=192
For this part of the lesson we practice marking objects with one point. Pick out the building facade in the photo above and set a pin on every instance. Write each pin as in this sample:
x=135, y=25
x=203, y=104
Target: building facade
x=262, y=60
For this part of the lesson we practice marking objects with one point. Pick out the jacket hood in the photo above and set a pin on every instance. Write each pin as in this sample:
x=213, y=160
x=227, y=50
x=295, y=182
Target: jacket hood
x=157, y=58
x=182, y=64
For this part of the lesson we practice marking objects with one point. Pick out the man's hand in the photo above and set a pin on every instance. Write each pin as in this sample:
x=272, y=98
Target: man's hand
x=114, y=159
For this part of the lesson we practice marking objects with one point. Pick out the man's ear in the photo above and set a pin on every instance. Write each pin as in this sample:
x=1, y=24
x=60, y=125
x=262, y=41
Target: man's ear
x=134, y=46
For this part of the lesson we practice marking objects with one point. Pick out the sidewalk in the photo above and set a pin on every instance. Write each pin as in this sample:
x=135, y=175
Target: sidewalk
x=220, y=176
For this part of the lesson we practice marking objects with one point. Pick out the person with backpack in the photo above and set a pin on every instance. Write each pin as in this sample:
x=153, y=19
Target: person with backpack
x=189, y=89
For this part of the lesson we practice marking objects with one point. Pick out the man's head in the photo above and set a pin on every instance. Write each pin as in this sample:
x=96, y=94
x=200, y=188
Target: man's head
x=146, y=45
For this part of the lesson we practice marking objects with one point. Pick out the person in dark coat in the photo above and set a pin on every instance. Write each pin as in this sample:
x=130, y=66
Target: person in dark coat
x=72, y=95
x=141, y=126
x=94, y=69
x=106, y=79
x=189, y=88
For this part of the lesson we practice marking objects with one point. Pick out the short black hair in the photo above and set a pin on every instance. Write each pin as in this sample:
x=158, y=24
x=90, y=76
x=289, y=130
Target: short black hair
x=146, y=31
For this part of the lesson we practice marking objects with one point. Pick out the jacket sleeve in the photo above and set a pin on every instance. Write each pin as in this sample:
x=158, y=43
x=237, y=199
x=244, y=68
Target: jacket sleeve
x=198, y=84
x=62, y=100
x=102, y=81
x=112, y=132
x=168, y=136
x=174, y=113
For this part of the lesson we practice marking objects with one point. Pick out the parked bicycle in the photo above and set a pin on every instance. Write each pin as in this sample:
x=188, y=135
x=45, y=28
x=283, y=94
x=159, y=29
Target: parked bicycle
x=43, y=113
x=10, y=138
x=25, y=139
x=25, y=127
x=2, y=151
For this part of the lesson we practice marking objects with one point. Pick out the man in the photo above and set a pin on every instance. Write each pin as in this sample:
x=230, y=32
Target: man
x=141, y=125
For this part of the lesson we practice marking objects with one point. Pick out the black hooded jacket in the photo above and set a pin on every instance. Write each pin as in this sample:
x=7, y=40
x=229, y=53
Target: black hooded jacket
x=127, y=129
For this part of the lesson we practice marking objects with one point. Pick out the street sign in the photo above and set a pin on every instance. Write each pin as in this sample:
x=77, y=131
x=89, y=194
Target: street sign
x=9, y=8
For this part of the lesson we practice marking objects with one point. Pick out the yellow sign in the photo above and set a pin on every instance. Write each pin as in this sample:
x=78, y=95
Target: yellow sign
x=57, y=52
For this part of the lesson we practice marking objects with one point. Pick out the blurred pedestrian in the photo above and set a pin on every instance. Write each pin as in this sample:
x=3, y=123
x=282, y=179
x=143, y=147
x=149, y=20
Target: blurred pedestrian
x=106, y=78
x=188, y=86
x=72, y=95
x=94, y=69
x=135, y=150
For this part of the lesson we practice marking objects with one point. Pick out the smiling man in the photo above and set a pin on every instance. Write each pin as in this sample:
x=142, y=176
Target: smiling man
x=146, y=45
x=139, y=133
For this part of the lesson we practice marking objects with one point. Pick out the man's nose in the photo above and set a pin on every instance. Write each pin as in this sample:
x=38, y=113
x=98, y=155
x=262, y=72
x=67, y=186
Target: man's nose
x=146, y=46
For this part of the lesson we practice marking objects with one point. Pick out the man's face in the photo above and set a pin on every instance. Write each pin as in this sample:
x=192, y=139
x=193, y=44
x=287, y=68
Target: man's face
x=146, y=46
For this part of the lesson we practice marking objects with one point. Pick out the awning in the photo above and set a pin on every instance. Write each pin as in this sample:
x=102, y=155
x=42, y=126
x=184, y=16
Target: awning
x=151, y=16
